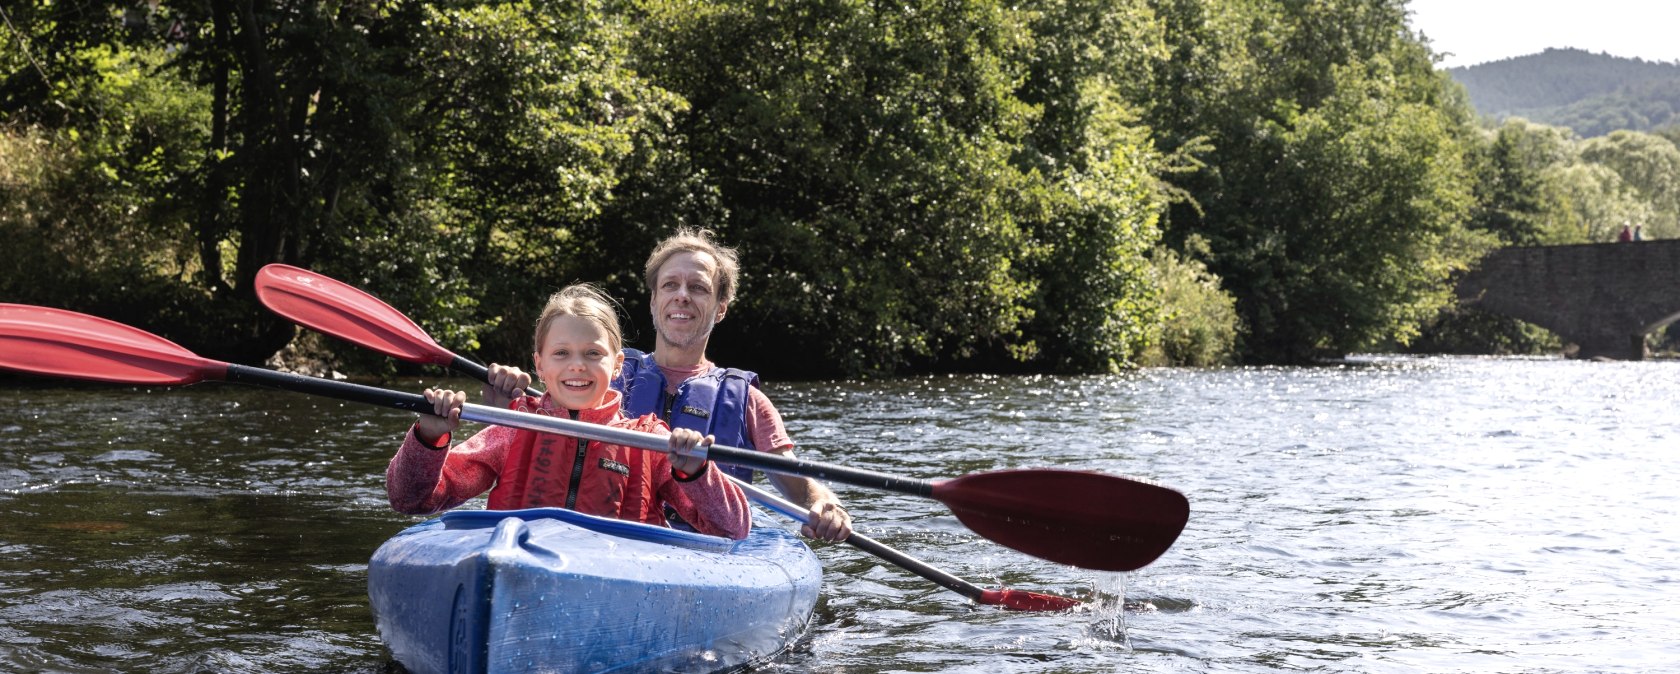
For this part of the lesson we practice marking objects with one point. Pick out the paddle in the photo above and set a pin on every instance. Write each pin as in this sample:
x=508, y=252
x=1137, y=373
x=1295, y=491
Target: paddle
x=1083, y=519
x=344, y=311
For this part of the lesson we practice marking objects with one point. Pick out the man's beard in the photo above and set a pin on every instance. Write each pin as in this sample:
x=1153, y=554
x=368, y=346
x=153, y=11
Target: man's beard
x=698, y=337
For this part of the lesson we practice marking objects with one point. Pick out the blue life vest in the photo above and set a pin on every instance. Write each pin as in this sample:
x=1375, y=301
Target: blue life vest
x=714, y=403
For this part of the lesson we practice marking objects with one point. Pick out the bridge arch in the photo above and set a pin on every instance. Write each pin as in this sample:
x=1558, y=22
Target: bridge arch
x=1602, y=297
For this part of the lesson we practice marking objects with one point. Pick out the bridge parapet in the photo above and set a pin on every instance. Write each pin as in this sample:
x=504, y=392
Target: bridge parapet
x=1602, y=297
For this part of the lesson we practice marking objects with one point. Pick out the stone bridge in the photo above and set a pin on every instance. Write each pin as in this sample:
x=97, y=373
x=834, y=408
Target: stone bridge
x=1602, y=297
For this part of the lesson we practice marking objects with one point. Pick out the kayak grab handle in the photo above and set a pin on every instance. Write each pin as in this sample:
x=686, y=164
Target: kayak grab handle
x=480, y=519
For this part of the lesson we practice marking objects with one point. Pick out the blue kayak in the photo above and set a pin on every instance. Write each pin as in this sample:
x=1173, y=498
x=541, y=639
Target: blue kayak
x=552, y=590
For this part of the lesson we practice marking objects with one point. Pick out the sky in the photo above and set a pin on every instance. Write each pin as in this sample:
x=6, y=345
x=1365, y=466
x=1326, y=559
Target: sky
x=1468, y=32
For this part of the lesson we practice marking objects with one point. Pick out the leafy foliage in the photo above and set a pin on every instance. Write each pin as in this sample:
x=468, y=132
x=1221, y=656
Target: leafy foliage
x=864, y=154
x=1043, y=185
x=1471, y=331
x=1336, y=201
x=97, y=214
x=394, y=146
x=1650, y=166
x=1513, y=200
x=1645, y=107
x=1542, y=185
x=1201, y=325
x=536, y=119
x=889, y=183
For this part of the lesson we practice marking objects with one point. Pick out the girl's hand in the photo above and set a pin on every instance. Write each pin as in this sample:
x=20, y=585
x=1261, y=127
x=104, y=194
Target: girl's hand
x=445, y=417
x=683, y=439
x=507, y=384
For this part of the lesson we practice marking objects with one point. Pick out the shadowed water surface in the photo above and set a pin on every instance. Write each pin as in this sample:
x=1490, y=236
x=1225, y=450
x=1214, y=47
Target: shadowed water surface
x=1388, y=515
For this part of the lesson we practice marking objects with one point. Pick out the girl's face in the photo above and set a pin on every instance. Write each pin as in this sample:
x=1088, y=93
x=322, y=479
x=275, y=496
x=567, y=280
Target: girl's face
x=577, y=362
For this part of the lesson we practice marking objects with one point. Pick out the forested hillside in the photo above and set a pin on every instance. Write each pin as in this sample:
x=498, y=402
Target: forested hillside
x=1593, y=94
x=1648, y=106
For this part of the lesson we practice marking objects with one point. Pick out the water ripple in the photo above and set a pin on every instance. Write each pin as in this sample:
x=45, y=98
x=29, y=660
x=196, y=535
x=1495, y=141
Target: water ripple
x=1387, y=514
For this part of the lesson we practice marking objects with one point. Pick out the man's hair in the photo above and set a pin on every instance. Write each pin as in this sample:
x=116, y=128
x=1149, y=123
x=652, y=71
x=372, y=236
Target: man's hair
x=697, y=241
x=584, y=301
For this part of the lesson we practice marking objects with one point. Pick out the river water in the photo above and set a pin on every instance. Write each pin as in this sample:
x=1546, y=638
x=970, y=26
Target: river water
x=1384, y=515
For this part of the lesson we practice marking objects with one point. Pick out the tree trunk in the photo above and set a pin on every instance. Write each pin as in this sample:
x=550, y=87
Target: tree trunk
x=212, y=209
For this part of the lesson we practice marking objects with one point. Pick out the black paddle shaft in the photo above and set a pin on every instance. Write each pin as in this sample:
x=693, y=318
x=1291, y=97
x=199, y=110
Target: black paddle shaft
x=461, y=364
x=417, y=403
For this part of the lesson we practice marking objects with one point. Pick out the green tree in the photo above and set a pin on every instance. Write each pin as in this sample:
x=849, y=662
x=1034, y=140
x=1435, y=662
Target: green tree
x=1381, y=201
x=536, y=120
x=1671, y=132
x=1094, y=218
x=1650, y=165
x=428, y=151
x=879, y=167
x=1596, y=203
x=1533, y=188
x=1522, y=199
x=95, y=197
x=259, y=171
x=861, y=151
x=1471, y=331
x=1336, y=195
x=1513, y=199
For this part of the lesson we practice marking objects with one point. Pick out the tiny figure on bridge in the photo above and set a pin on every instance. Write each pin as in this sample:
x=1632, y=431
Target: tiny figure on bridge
x=1626, y=235
x=1638, y=233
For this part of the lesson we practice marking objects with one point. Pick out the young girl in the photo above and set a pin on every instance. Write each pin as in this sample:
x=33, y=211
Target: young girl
x=577, y=351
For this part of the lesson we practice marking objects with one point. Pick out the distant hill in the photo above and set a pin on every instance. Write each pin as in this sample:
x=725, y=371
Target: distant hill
x=1593, y=94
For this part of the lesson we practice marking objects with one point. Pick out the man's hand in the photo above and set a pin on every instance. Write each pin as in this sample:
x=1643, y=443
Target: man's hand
x=507, y=384
x=827, y=521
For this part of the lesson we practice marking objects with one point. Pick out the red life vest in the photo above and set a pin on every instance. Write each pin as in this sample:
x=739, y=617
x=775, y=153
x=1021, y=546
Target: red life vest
x=589, y=476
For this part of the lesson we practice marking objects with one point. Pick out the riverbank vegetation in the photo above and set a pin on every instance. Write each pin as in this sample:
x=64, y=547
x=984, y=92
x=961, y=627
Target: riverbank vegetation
x=914, y=186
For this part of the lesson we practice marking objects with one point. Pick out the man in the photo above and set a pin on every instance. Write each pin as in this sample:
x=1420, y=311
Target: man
x=691, y=280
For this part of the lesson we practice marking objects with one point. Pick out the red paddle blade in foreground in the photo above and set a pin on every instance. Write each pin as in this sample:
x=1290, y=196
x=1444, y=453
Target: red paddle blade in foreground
x=341, y=310
x=1090, y=520
x=59, y=343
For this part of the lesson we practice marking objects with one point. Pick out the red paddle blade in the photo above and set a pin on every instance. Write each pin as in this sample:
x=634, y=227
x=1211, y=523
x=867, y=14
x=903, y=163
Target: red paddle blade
x=1022, y=600
x=1089, y=520
x=343, y=311
x=59, y=343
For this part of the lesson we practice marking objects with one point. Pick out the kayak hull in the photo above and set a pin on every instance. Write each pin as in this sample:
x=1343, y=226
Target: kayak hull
x=551, y=590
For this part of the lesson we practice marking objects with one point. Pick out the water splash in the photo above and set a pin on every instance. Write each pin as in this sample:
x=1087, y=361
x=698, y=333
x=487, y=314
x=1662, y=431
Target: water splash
x=1108, y=605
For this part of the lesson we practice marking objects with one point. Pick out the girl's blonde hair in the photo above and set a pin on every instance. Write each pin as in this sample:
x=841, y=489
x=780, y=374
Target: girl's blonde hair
x=584, y=301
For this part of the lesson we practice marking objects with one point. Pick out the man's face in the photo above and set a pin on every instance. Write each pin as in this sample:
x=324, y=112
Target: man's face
x=685, y=303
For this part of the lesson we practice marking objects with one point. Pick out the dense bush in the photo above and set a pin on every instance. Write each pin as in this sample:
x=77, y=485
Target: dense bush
x=1465, y=331
x=1201, y=323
